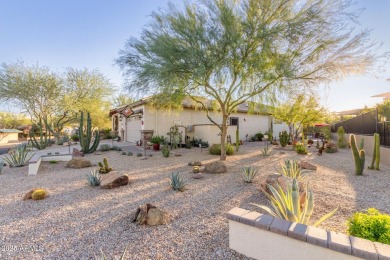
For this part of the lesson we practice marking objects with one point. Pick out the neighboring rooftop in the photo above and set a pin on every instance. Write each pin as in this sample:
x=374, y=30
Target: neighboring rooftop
x=353, y=112
x=8, y=131
x=385, y=96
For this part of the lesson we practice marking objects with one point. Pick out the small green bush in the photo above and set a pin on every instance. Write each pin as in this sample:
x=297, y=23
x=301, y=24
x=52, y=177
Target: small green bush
x=129, y=154
x=215, y=149
x=341, y=143
x=139, y=154
x=53, y=162
x=284, y=138
x=301, y=148
x=75, y=138
x=259, y=136
x=123, y=153
x=372, y=225
x=165, y=151
x=105, y=147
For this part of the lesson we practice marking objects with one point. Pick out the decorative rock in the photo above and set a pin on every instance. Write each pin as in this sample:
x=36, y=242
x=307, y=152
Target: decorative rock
x=28, y=195
x=215, y=167
x=78, y=163
x=195, y=163
x=98, y=153
x=156, y=217
x=307, y=166
x=177, y=154
x=111, y=182
x=150, y=215
x=76, y=153
x=197, y=176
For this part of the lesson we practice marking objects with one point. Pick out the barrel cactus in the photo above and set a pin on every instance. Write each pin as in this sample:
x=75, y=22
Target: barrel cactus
x=39, y=194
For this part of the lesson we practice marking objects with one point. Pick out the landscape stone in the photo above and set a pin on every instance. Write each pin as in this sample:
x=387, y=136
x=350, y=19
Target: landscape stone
x=120, y=181
x=215, y=167
x=78, y=163
x=197, y=176
x=307, y=166
x=156, y=217
x=77, y=153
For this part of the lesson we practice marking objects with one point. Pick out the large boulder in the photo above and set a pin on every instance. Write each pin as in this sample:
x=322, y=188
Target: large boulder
x=78, y=163
x=307, y=166
x=114, y=179
x=148, y=214
x=215, y=167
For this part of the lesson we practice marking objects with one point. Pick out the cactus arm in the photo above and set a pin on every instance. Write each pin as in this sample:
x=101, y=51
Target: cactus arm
x=95, y=143
x=81, y=131
x=371, y=167
x=359, y=156
x=377, y=152
x=89, y=131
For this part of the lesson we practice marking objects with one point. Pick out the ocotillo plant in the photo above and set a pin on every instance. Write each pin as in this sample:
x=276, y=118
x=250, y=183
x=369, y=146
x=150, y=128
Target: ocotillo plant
x=237, y=140
x=85, y=141
x=43, y=141
x=359, y=155
x=376, y=157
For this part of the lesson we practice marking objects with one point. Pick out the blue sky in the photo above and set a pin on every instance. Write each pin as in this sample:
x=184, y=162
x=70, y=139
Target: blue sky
x=89, y=33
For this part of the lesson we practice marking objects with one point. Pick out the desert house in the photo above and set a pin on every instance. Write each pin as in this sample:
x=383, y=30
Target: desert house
x=130, y=121
x=9, y=136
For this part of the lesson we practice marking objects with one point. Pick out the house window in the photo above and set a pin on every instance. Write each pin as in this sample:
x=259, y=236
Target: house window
x=233, y=121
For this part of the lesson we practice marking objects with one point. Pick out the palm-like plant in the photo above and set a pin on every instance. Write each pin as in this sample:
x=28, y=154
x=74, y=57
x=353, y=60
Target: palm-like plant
x=19, y=157
x=177, y=182
x=291, y=169
x=292, y=206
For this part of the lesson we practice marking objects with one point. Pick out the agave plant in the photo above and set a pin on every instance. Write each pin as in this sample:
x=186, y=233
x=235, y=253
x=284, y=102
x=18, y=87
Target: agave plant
x=291, y=169
x=1, y=165
x=177, y=182
x=266, y=151
x=249, y=173
x=94, y=178
x=19, y=157
x=292, y=206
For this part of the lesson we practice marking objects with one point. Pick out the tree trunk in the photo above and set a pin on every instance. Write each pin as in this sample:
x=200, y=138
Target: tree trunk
x=223, y=138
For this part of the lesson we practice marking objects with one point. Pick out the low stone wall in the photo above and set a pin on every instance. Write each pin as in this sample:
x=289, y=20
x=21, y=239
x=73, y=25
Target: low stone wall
x=35, y=162
x=264, y=237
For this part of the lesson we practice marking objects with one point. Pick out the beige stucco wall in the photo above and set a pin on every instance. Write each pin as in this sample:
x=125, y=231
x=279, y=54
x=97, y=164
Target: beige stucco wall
x=161, y=122
x=8, y=138
x=210, y=133
x=260, y=244
x=368, y=147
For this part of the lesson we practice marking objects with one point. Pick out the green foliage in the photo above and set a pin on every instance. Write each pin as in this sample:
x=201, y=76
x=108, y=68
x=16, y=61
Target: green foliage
x=177, y=182
x=327, y=133
x=86, y=137
x=330, y=147
x=284, y=138
x=53, y=162
x=1, y=165
x=75, y=138
x=129, y=154
x=165, y=151
x=215, y=149
x=291, y=169
x=341, y=142
x=371, y=225
x=237, y=140
x=157, y=139
x=376, y=157
x=104, y=167
x=359, y=155
x=19, y=156
x=43, y=141
x=291, y=205
x=249, y=174
x=105, y=147
x=301, y=148
x=259, y=136
x=38, y=194
x=11, y=120
x=265, y=151
x=63, y=140
x=94, y=178
x=139, y=154
x=123, y=153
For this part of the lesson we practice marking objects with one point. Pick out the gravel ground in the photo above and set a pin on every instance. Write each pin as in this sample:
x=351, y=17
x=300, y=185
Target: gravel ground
x=77, y=221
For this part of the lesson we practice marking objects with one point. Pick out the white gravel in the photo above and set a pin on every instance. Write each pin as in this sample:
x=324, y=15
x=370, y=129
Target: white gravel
x=77, y=221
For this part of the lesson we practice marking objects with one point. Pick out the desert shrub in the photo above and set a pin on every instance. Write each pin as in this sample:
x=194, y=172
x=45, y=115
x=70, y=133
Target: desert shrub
x=341, y=142
x=215, y=149
x=104, y=167
x=123, y=153
x=116, y=148
x=75, y=138
x=165, y=151
x=371, y=225
x=105, y=147
x=259, y=136
x=53, y=162
x=331, y=148
x=177, y=182
x=284, y=138
x=19, y=156
x=300, y=148
x=249, y=174
x=139, y=154
x=129, y=154
x=63, y=140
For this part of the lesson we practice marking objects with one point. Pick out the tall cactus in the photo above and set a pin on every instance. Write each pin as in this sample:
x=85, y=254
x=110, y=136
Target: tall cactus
x=43, y=141
x=237, y=140
x=85, y=141
x=376, y=157
x=359, y=155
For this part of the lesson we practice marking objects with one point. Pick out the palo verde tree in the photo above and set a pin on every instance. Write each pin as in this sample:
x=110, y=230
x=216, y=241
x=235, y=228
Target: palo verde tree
x=232, y=52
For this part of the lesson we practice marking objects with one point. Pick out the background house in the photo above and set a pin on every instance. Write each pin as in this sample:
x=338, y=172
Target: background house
x=9, y=136
x=128, y=122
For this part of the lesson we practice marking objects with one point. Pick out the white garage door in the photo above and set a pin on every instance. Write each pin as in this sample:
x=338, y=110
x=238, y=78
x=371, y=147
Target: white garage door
x=133, y=129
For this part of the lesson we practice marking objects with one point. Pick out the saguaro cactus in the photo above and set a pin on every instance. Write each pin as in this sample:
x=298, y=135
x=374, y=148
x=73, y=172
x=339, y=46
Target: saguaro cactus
x=359, y=155
x=376, y=157
x=85, y=141
x=237, y=139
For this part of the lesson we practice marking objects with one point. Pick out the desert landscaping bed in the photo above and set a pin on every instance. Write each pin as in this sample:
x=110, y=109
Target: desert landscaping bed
x=77, y=221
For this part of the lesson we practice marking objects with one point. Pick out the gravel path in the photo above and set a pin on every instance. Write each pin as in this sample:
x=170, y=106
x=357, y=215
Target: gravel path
x=77, y=221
